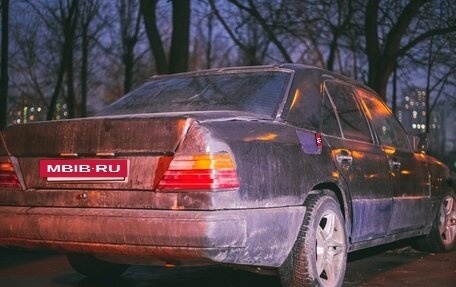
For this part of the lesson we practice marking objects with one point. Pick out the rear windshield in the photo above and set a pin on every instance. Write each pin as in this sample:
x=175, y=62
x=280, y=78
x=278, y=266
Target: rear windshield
x=258, y=92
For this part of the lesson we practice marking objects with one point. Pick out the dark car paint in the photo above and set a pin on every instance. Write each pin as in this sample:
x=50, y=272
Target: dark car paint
x=276, y=171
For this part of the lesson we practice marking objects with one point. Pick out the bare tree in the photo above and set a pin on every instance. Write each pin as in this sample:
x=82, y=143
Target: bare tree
x=61, y=17
x=4, y=65
x=178, y=52
x=130, y=19
x=245, y=33
x=388, y=41
x=210, y=45
x=69, y=31
x=349, y=36
x=89, y=12
x=268, y=28
x=363, y=39
x=321, y=30
x=30, y=59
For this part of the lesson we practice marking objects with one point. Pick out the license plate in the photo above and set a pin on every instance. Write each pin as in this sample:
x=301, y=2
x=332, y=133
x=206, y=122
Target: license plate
x=84, y=169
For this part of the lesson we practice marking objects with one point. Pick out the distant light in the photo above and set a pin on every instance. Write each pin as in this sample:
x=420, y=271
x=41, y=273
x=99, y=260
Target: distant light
x=423, y=126
x=406, y=107
x=407, y=98
x=414, y=126
x=39, y=109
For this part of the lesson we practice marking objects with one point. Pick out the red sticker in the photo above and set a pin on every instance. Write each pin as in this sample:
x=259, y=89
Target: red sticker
x=318, y=140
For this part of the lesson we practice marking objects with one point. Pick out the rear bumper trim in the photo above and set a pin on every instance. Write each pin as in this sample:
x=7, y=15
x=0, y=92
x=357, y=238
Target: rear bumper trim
x=259, y=237
x=124, y=226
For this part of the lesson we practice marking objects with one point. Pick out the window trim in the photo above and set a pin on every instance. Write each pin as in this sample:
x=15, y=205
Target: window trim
x=373, y=135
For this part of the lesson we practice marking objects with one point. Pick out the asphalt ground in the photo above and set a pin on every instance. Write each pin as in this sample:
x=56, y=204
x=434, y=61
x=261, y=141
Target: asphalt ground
x=390, y=265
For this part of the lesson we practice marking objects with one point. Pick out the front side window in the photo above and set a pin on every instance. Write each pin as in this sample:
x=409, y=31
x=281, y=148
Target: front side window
x=352, y=121
x=389, y=131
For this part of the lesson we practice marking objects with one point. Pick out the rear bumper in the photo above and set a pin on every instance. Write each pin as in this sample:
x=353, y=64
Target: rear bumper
x=261, y=237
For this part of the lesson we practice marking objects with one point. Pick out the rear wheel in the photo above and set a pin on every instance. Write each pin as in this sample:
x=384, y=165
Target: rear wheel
x=319, y=255
x=443, y=233
x=88, y=265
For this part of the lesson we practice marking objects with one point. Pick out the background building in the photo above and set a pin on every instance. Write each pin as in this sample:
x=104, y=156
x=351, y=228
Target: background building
x=26, y=111
x=412, y=113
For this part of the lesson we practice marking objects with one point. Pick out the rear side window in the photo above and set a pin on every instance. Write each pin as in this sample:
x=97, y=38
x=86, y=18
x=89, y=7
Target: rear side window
x=352, y=120
x=329, y=123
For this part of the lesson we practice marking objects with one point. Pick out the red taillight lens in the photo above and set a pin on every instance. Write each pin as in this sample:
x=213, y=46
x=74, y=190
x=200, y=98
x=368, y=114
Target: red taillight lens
x=203, y=172
x=8, y=177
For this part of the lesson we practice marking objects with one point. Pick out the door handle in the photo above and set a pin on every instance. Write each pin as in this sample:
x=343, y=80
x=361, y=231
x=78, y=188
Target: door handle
x=344, y=157
x=395, y=164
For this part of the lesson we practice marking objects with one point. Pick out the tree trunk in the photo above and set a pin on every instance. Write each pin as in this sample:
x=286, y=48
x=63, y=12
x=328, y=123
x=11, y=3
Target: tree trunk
x=58, y=85
x=84, y=69
x=71, y=99
x=4, y=65
x=178, y=56
x=332, y=51
x=148, y=9
x=66, y=64
x=128, y=65
x=382, y=61
x=210, y=28
x=70, y=83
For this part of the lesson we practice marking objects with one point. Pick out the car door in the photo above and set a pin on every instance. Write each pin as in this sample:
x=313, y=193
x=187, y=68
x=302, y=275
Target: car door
x=408, y=170
x=360, y=161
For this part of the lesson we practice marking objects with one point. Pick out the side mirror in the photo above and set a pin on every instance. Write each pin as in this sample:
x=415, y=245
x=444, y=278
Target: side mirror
x=419, y=143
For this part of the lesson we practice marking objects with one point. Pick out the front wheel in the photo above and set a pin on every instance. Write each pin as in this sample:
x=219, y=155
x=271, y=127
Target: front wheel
x=319, y=255
x=443, y=232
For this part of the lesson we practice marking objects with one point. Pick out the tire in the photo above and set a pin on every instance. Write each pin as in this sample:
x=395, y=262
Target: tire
x=88, y=265
x=442, y=236
x=319, y=255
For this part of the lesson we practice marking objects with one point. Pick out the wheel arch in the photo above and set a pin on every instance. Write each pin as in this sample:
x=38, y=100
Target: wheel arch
x=343, y=199
x=305, y=264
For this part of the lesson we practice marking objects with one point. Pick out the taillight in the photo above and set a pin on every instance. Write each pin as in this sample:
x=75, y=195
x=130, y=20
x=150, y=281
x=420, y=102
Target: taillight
x=202, y=172
x=8, y=177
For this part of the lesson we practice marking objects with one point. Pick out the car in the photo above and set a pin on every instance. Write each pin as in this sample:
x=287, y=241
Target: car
x=280, y=169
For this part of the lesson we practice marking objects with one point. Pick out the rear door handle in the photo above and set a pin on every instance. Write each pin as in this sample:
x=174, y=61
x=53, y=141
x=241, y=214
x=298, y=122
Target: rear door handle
x=395, y=164
x=344, y=157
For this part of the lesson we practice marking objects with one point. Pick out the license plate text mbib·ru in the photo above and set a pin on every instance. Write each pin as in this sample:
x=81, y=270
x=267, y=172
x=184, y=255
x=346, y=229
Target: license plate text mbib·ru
x=84, y=169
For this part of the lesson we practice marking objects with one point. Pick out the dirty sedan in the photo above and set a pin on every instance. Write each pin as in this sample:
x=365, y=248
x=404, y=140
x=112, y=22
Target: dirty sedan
x=276, y=169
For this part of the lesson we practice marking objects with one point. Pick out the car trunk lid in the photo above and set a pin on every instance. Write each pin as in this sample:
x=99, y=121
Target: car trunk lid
x=147, y=143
